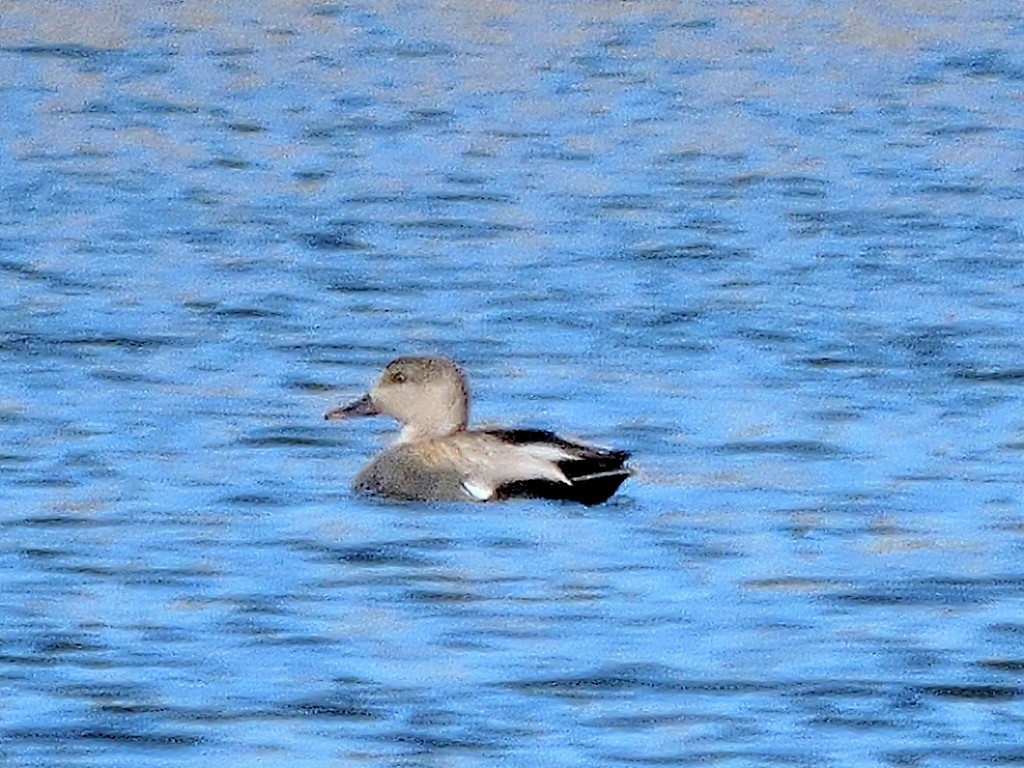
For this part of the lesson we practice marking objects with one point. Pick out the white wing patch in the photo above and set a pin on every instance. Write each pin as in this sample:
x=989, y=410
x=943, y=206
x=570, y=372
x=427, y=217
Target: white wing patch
x=598, y=475
x=544, y=452
x=487, y=463
x=536, y=461
x=478, y=490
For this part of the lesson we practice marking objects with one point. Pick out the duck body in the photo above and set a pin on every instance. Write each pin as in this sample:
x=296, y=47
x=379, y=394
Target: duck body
x=438, y=459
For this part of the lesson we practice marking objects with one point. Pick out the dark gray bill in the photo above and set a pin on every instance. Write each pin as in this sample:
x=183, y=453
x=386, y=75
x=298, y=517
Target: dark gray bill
x=362, y=407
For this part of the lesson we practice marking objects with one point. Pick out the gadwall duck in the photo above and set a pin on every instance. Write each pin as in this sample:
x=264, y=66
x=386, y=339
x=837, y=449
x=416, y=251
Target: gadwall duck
x=436, y=458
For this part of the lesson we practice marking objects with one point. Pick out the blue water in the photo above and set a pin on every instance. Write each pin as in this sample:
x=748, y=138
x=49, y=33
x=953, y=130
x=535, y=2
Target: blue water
x=772, y=249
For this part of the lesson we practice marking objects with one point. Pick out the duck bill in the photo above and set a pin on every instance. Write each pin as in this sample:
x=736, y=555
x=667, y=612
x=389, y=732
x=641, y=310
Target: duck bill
x=362, y=407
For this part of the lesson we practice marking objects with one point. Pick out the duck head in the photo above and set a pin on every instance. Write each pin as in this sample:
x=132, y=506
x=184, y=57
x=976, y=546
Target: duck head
x=428, y=396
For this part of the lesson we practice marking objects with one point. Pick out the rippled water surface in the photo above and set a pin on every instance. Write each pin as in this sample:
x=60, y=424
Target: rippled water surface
x=773, y=249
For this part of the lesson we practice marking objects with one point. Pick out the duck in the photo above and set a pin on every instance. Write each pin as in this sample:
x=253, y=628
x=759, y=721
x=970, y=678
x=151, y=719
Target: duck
x=437, y=458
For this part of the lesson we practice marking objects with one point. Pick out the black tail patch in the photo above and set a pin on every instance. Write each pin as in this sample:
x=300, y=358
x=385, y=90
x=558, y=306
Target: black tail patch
x=594, y=473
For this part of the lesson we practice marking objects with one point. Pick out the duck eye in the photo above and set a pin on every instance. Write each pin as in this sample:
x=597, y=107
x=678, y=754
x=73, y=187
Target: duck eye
x=397, y=377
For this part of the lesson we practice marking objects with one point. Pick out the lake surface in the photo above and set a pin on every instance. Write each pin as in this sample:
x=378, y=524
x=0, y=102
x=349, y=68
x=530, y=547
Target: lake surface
x=775, y=250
